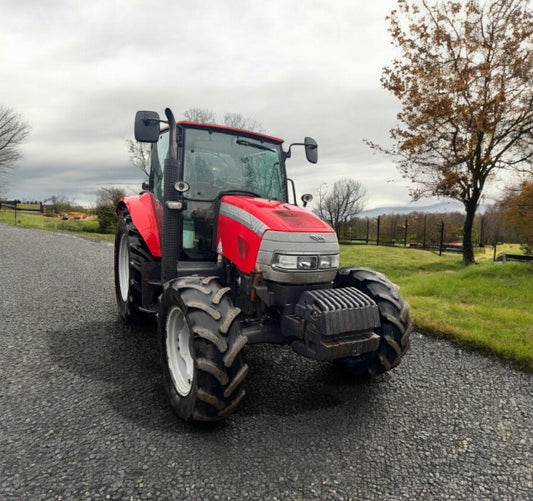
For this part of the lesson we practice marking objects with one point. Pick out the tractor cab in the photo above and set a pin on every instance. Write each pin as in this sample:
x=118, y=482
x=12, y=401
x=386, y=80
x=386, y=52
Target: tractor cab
x=216, y=160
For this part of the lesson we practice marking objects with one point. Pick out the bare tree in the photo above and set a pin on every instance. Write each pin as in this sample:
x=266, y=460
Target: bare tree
x=109, y=196
x=464, y=84
x=231, y=119
x=57, y=204
x=342, y=202
x=139, y=155
x=200, y=115
x=517, y=206
x=237, y=121
x=13, y=132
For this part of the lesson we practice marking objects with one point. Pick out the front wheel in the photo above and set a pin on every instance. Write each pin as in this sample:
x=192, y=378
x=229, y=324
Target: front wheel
x=394, y=317
x=200, y=343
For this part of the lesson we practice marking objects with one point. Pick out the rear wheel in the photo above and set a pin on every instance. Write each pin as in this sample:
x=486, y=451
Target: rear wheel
x=200, y=343
x=131, y=253
x=395, y=323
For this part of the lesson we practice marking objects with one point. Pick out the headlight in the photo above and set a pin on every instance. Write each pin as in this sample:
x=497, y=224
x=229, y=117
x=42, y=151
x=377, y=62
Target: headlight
x=329, y=261
x=286, y=262
x=305, y=262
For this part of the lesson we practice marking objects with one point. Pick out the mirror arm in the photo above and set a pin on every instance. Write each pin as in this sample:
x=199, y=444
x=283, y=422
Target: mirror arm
x=147, y=121
x=287, y=154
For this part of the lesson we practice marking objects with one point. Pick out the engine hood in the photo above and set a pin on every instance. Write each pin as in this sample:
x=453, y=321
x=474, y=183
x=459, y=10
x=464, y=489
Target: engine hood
x=261, y=215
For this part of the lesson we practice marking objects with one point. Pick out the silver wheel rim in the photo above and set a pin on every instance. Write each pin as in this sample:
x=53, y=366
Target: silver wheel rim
x=124, y=268
x=180, y=362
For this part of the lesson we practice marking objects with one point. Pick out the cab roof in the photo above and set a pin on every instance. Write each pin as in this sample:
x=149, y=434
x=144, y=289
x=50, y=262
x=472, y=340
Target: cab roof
x=221, y=128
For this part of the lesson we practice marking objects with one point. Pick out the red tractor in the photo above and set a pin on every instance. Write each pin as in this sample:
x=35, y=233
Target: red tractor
x=216, y=251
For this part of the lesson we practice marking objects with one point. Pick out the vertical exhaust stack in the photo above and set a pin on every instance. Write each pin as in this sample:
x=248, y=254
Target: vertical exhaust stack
x=173, y=205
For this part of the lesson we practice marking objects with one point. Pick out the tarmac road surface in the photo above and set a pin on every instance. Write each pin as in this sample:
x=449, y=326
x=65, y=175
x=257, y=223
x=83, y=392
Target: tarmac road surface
x=84, y=414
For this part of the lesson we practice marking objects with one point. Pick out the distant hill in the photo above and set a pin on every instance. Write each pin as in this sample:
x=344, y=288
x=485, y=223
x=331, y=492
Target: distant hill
x=444, y=206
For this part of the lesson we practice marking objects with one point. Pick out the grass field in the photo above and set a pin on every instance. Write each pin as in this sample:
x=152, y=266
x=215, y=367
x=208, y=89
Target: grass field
x=88, y=228
x=486, y=306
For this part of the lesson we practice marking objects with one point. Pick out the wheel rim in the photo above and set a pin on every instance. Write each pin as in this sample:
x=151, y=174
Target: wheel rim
x=180, y=361
x=124, y=268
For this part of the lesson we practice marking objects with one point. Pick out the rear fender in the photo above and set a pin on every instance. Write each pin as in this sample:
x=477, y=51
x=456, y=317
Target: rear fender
x=147, y=216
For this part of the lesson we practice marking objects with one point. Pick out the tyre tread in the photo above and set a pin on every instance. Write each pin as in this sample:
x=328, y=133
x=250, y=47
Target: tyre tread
x=395, y=322
x=217, y=344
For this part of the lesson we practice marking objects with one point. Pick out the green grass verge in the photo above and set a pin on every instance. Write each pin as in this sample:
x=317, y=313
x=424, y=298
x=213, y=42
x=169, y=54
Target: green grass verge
x=86, y=228
x=486, y=306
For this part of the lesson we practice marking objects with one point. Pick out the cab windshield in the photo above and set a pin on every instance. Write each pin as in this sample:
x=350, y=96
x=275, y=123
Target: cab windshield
x=216, y=161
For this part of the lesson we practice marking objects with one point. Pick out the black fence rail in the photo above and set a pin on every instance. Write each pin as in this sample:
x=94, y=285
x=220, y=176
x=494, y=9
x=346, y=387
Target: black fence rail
x=19, y=207
x=22, y=207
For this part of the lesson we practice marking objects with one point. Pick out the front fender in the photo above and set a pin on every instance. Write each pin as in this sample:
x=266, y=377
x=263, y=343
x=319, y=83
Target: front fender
x=147, y=216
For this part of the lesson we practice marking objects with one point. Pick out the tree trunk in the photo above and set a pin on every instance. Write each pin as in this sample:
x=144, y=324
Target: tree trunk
x=468, y=248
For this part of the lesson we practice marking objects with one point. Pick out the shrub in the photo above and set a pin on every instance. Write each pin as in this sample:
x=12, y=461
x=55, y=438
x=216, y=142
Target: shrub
x=107, y=218
x=527, y=248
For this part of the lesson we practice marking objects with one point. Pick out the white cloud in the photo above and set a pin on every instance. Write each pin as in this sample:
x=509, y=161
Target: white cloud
x=78, y=71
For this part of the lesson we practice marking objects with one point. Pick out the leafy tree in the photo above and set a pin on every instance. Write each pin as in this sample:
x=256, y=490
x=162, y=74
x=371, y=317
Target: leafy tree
x=464, y=84
x=13, y=132
x=518, y=210
x=340, y=203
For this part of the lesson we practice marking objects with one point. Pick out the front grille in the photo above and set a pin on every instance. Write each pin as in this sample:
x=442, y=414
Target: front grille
x=338, y=299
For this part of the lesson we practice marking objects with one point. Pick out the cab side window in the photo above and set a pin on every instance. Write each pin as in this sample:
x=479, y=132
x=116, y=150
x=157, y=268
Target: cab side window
x=157, y=165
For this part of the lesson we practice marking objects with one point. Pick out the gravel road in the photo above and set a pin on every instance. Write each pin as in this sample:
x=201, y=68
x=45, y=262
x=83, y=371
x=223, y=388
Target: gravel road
x=84, y=414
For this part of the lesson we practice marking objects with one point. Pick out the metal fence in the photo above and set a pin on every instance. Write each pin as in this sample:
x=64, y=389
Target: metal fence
x=442, y=232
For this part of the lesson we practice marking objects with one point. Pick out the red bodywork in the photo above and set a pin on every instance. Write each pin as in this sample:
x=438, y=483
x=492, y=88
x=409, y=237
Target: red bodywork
x=242, y=222
x=147, y=216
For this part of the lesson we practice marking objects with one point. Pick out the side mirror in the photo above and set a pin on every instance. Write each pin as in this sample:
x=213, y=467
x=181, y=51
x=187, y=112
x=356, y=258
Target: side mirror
x=147, y=126
x=307, y=198
x=311, y=150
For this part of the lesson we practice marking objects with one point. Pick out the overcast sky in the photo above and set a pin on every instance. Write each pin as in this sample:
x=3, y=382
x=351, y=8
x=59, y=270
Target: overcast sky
x=78, y=72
